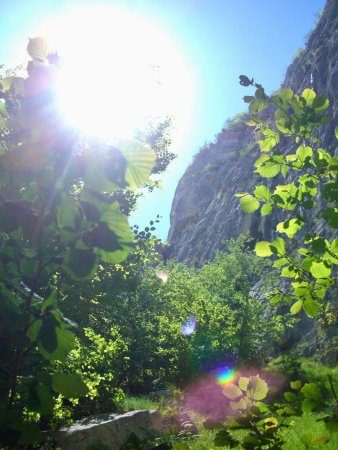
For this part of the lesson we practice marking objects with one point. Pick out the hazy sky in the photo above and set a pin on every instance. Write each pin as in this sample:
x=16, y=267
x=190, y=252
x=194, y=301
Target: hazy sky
x=220, y=39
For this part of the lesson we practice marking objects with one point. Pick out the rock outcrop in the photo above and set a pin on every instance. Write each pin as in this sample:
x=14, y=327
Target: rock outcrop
x=110, y=431
x=205, y=212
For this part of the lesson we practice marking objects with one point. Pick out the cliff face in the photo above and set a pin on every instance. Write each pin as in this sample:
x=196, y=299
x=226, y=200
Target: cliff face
x=205, y=212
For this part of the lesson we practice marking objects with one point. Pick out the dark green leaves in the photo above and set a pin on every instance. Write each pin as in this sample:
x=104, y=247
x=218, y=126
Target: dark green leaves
x=55, y=342
x=244, y=80
x=69, y=385
x=80, y=263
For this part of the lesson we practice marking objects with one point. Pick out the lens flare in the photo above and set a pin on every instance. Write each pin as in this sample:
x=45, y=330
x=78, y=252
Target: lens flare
x=189, y=326
x=225, y=375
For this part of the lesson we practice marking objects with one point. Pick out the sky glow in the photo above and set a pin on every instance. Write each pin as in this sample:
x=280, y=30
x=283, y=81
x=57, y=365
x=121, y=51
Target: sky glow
x=118, y=72
x=216, y=40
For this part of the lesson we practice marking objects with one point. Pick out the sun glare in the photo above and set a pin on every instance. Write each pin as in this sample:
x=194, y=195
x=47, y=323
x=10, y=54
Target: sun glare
x=118, y=72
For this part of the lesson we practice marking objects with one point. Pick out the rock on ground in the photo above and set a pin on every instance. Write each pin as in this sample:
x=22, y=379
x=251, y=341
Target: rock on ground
x=110, y=430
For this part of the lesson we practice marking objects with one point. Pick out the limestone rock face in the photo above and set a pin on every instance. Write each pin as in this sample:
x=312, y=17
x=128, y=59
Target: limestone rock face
x=205, y=212
x=110, y=430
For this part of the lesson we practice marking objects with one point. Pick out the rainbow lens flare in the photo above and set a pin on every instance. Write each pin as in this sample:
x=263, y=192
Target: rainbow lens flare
x=225, y=375
x=189, y=326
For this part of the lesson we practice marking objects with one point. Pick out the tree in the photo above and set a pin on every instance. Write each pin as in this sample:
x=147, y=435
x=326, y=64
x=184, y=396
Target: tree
x=306, y=259
x=58, y=218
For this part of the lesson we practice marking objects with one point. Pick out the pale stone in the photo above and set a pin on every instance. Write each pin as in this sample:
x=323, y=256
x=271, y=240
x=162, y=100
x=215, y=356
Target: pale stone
x=111, y=430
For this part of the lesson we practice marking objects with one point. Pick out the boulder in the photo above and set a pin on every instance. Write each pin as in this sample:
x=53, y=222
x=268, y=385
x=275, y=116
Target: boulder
x=110, y=430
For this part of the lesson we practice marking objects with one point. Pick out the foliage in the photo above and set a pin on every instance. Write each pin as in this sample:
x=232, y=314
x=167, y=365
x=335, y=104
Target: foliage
x=306, y=259
x=58, y=220
x=156, y=352
x=264, y=422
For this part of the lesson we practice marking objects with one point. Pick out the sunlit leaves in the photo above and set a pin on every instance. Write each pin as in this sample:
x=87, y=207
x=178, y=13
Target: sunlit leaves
x=290, y=227
x=263, y=249
x=308, y=95
x=38, y=48
x=313, y=172
x=249, y=204
x=262, y=193
x=297, y=384
x=270, y=140
x=257, y=388
x=140, y=160
x=320, y=269
x=232, y=391
x=296, y=307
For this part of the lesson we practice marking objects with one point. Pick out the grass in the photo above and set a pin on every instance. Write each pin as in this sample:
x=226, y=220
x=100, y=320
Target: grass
x=305, y=433
x=133, y=403
x=306, y=430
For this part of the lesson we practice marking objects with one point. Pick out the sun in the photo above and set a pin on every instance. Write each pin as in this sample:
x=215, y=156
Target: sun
x=118, y=72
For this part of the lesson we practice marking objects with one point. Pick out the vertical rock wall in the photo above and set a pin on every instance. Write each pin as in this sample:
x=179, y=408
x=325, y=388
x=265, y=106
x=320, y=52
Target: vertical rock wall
x=205, y=212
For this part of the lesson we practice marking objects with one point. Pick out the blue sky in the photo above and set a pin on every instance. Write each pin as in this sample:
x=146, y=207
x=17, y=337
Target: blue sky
x=220, y=40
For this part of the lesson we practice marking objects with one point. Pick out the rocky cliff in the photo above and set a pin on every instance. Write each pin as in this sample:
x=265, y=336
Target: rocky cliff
x=205, y=212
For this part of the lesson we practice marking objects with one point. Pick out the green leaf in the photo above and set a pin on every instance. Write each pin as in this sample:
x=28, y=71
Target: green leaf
x=102, y=237
x=249, y=204
x=222, y=439
x=269, y=169
x=311, y=391
x=249, y=99
x=46, y=399
x=244, y=80
x=309, y=95
x=320, y=270
x=311, y=307
x=263, y=249
x=243, y=383
x=320, y=103
x=290, y=227
x=308, y=405
x=241, y=404
x=270, y=422
x=232, y=391
x=290, y=397
x=331, y=216
x=297, y=384
x=278, y=246
x=262, y=192
x=336, y=131
x=258, y=106
x=257, y=388
x=332, y=426
x=34, y=330
x=304, y=153
x=266, y=209
x=67, y=212
x=69, y=385
x=79, y=263
x=181, y=446
x=38, y=48
x=140, y=161
x=296, y=307
x=285, y=94
x=56, y=343
x=330, y=191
